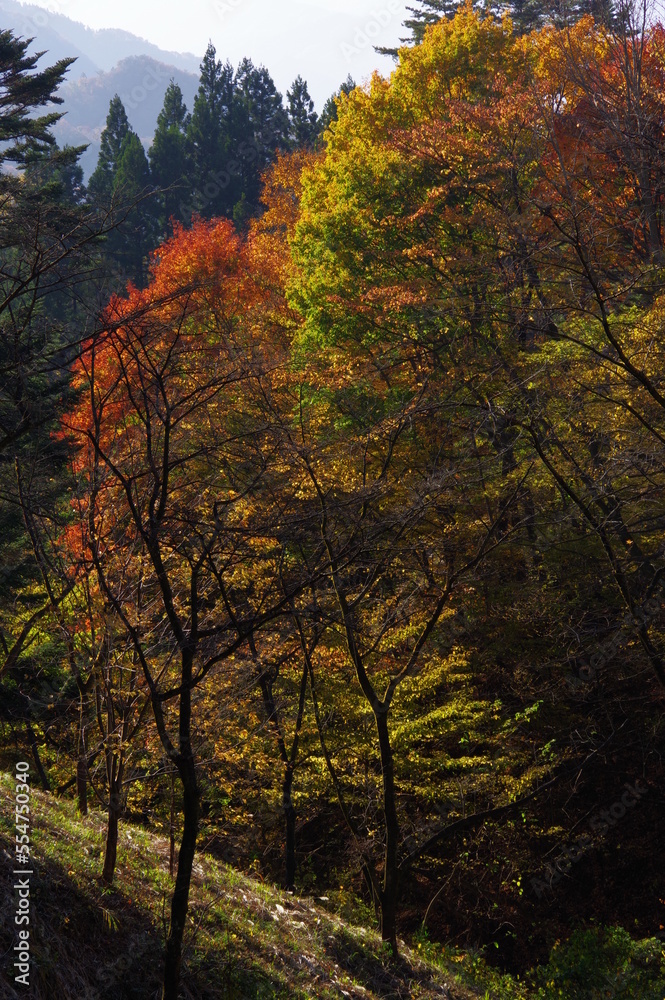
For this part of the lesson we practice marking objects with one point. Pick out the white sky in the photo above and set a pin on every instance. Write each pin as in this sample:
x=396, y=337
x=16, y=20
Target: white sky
x=323, y=40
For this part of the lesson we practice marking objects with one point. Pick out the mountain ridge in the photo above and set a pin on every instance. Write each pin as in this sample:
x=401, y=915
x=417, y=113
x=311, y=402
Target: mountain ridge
x=95, y=48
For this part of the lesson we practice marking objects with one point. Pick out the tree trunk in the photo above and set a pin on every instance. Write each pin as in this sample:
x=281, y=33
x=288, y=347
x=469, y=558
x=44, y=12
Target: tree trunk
x=82, y=757
x=111, y=841
x=43, y=777
x=389, y=893
x=180, y=901
x=172, y=828
x=290, y=818
x=82, y=784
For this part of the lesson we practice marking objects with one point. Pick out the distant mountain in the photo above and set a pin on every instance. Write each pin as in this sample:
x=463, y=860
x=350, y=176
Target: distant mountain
x=141, y=83
x=95, y=50
x=108, y=62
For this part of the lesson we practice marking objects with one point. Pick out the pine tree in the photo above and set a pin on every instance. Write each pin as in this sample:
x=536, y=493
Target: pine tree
x=303, y=118
x=132, y=176
x=42, y=248
x=100, y=186
x=526, y=15
x=57, y=174
x=329, y=113
x=169, y=159
x=262, y=126
x=48, y=257
x=606, y=12
x=23, y=92
x=209, y=136
x=137, y=234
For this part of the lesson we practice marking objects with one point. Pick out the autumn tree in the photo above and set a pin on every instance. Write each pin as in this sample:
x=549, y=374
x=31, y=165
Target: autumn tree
x=174, y=449
x=50, y=256
x=419, y=261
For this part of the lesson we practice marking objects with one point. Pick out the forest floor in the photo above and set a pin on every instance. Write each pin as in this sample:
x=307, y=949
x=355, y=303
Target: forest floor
x=243, y=939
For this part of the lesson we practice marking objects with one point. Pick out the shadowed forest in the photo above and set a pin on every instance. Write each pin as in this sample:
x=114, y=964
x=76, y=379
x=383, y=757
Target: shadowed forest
x=332, y=566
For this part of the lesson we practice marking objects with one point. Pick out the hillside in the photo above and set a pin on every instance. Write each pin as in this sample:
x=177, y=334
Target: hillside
x=245, y=938
x=108, y=62
x=141, y=82
x=95, y=50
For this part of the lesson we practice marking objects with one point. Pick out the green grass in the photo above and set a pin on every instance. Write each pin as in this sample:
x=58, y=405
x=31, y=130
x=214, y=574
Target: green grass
x=244, y=938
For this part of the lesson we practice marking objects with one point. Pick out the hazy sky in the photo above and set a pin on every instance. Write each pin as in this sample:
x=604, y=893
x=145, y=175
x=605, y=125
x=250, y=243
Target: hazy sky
x=323, y=40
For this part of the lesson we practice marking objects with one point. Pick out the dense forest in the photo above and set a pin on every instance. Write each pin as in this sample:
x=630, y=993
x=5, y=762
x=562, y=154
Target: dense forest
x=332, y=469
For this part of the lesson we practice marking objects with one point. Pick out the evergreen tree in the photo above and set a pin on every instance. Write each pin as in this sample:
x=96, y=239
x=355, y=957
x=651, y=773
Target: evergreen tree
x=606, y=12
x=527, y=15
x=137, y=234
x=209, y=136
x=58, y=175
x=100, y=186
x=263, y=126
x=23, y=91
x=329, y=113
x=169, y=159
x=48, y=257
x=303, y=119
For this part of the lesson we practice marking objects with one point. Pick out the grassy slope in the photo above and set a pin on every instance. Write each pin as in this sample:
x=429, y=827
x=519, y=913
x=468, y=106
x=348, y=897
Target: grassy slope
x=244, y=939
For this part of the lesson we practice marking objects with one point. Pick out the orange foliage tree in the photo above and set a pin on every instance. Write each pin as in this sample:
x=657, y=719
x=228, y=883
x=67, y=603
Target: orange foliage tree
x=180, y=489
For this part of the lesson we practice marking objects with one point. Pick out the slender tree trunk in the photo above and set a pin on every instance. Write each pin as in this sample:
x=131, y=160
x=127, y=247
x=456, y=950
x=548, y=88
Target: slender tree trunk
x=172, y=827
x=190, y=811
x=111, y=842
x=115, y=809
x=82, y=756
x=389, y=893
x=43, y=777
x=290, y=819
x=288, y=762
x=180, y=901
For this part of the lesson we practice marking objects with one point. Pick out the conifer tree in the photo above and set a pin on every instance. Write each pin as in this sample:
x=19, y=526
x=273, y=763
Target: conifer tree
x=48, y=259
x=137, y=235
x=329, y=113
x=57, y=174
x=23, y=92
x=262, y=123
x=209, y=136
x=100, y=186
x=122, y=180
x=303, y=119
x=526, y=15
x=169, y=159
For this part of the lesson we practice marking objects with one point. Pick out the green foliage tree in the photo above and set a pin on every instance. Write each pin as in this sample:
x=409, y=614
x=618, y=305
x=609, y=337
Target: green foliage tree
x=58, y=175
x=526, y=15
x=22, y=93
x=303, y=118
x=100, y=186
x=49, y=257
x=131, y=187
x=169, y=158
x=209, y=135
x=262, y=124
